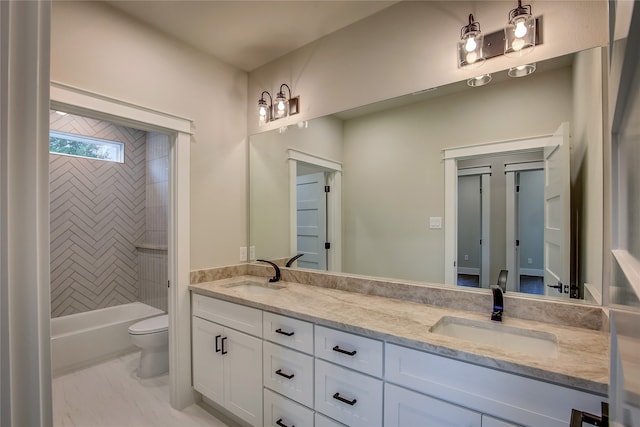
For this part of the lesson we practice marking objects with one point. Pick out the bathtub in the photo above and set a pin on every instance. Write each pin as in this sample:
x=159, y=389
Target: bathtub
x=82, y=339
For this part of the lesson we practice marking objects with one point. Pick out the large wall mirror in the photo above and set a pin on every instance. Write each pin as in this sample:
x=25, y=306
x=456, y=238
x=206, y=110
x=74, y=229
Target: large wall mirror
x=363, y=191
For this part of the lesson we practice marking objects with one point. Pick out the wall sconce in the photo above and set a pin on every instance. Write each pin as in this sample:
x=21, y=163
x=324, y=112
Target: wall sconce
x=264, y=109
x=283, y=107
x=520, y=32
x=470, y=45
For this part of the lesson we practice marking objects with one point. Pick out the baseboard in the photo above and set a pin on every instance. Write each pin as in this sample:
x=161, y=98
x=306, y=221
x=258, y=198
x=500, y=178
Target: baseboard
x=469, y=270
x=532, y=272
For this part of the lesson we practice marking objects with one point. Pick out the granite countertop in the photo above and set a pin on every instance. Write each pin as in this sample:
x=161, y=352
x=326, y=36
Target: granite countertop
x=582, y=359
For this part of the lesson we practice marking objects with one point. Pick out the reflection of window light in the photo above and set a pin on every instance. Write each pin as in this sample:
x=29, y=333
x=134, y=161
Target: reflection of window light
x=69, y=144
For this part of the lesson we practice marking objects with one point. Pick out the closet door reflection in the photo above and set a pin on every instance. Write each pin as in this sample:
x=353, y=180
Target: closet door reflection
x=473, y=227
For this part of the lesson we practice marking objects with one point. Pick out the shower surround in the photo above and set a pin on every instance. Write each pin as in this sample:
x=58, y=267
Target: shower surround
x=97, y=216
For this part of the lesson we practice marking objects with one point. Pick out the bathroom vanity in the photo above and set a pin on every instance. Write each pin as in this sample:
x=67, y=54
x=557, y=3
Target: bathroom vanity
x=287, y=353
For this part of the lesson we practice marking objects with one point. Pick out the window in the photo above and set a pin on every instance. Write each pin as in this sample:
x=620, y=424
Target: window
x=84, y=146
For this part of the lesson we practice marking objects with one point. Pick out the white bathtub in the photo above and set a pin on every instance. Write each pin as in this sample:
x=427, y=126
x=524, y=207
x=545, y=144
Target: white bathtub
x=82, y=339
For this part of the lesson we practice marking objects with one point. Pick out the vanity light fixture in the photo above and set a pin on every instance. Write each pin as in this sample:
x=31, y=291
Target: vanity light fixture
x=470, y=45
x=479, y=81
x=264, y=109
x=522, y=70
x=282, y=107
x=520, y=31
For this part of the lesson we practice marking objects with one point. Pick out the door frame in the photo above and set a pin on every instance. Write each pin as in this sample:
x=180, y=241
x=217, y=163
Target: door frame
x=450, y=158
x=334, y=204
x=89, y=104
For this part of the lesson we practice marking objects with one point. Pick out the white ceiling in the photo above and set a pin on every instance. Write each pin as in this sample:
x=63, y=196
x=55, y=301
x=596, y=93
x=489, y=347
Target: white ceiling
x=248, y=34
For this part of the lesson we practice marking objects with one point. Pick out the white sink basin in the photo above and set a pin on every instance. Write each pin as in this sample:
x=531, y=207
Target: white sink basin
x=535, y=343
x=255, y=288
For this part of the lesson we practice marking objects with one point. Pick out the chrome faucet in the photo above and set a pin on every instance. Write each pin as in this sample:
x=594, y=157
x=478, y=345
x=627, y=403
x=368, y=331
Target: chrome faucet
x=498, y=298
x=292, y=260
x=275, y=267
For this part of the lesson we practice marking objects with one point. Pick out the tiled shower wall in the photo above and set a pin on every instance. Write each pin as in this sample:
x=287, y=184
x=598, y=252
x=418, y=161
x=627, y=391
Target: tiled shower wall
x=97, y=215
x=152, y=254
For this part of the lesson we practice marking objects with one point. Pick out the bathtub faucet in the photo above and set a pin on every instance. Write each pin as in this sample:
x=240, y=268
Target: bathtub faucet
x=275, y=267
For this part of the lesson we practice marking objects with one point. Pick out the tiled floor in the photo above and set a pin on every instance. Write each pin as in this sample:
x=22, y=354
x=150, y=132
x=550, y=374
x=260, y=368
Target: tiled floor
x=110, y=395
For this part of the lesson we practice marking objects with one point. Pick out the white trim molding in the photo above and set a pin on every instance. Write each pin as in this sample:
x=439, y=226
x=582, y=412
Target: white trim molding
x=179, y=129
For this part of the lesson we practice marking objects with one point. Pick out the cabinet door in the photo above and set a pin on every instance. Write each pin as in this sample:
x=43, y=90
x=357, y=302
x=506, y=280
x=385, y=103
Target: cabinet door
x=243, y=375
x=405, y=408
x=207, y=362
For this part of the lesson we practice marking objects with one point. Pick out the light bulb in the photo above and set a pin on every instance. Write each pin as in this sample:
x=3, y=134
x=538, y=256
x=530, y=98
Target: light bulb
x=471, y=44
x=280, y=106
x=471, y=57
x=517, y=44
x=520, y=30
x=521, y=67
x=262, y=112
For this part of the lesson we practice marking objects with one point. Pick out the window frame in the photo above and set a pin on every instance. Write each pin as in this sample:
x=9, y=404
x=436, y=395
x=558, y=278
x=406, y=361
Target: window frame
x=120, y=146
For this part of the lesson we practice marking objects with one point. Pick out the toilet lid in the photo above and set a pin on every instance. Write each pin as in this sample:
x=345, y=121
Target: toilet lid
x=150, y=326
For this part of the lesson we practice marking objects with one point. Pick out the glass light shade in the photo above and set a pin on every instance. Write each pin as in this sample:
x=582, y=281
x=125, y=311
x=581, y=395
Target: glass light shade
x=522, y=70
x=281, y=106
x=264, y=113
x=470, y=53
x=520, y=36
x=479, y=81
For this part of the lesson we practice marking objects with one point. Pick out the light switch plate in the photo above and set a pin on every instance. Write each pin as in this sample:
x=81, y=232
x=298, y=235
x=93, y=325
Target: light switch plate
x=252, y=253
x=243, y=253
x=435, y=222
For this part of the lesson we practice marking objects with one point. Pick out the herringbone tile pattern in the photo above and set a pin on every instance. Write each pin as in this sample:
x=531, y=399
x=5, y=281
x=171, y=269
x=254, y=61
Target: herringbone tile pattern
x=97, y=214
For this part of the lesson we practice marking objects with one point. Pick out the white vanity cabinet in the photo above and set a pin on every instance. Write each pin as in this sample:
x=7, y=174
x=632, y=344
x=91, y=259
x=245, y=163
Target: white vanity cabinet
x=520, y=400
x=227, y=363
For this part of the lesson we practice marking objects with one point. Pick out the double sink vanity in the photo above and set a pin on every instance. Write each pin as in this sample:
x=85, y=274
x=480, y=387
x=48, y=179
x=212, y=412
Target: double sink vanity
x=329, y=350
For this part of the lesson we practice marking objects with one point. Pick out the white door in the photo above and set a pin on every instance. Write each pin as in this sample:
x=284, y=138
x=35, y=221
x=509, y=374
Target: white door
x=557, y=214
x=469, y=228
x=311, y=221
x=207, y=359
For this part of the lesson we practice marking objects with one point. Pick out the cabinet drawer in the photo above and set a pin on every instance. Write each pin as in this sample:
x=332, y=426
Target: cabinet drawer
x=347, y=396
x=353, y=351
x=488, y=421
x=239, y=317
x=288, y=372
x=283, y=330
x=322, y=421
x=405, y=408
x=282, y=412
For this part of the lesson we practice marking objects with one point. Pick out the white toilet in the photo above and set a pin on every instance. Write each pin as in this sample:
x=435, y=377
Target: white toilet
x=152, y=336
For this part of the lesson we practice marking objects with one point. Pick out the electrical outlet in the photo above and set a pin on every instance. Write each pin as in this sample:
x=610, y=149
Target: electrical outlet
x=252, y=253
x=243, y=253
x=529, y=260
x=435, y=222
x=466, y=257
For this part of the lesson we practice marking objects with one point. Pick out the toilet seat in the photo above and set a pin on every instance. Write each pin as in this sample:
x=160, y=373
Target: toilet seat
x=152, y=325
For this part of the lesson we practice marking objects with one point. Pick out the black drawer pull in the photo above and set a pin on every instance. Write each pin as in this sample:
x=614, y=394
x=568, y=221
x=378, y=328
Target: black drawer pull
x=224, y=351
x=282, y=374
x=342, y=399
x=280, y=331
x=348, y=353
x=281, y=424
x=218, y=343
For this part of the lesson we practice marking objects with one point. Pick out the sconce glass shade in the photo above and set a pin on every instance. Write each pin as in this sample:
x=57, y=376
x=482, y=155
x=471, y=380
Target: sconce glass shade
x=522, y=70
x=264, y=110
x=479, y=81
x=281, y=106
x=470, y=45
x=520, y=32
